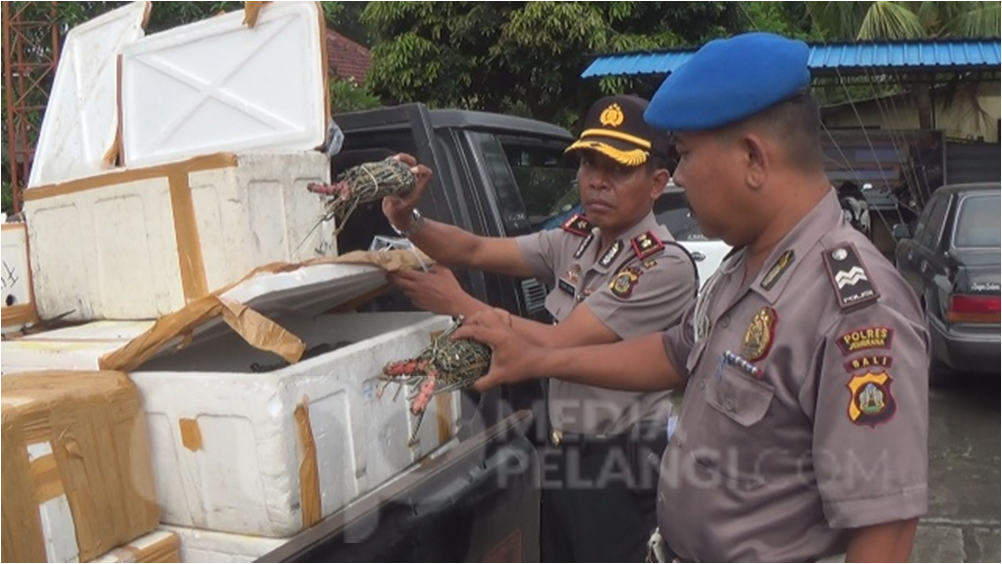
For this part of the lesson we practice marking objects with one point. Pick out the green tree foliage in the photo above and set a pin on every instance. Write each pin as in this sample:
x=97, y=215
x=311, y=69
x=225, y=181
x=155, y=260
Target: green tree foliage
x=906, y=20
x=522, y=57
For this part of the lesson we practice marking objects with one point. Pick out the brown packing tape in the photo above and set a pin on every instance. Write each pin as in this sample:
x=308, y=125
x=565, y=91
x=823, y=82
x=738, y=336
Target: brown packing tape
x=309, y=471
x=257, y=330
x=95, y=426
x=45, y=474
x=166, y=548
x=443, y=407
x=195, y=164
x=191, y=435
x=23, y=314
x=189, y=246
x=253, y=327
x=251, y=11
x=21, y=524
x=324, y=67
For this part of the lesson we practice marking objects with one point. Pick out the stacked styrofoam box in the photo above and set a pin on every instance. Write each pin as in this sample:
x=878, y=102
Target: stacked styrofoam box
x=18, y=301
x=241, y=475
x=139, y=244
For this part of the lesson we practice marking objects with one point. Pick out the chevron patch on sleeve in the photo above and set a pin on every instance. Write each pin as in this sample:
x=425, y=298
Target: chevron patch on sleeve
x=849, y=277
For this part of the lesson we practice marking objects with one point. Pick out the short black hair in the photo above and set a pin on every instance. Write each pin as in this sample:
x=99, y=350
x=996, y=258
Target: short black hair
x=796, y=124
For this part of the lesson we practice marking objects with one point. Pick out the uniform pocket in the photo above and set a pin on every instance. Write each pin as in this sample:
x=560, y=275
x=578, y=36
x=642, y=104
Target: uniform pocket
x=739, y=397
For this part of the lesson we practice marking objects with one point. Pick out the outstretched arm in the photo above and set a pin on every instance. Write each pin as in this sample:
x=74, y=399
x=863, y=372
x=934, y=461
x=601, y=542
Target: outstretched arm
x=448, y=244
x=632, y=365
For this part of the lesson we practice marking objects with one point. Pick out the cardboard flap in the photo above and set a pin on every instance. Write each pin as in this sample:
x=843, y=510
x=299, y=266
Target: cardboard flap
x=245, y=306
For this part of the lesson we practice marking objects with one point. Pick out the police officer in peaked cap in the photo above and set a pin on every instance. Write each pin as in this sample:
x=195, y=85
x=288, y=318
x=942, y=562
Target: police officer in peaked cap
x=615, y=273
x=803, y=429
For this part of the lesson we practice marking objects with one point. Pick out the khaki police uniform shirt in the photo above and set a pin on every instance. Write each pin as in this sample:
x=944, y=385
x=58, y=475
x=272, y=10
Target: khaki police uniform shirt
x=631, y=292
x=806, y=406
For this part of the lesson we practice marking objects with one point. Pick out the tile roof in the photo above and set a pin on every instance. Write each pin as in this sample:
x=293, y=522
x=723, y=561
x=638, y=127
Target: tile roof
x=347, y=59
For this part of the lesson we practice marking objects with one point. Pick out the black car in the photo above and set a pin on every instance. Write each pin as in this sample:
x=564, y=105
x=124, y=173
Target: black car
x=950, y=257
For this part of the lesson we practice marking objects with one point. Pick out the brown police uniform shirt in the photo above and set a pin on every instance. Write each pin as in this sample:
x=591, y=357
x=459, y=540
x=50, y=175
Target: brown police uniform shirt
x=806, y=406
x=641, y=285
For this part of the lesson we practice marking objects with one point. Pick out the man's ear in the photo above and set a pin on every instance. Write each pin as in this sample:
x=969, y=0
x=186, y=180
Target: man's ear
x=758, y=159
x=660, y=179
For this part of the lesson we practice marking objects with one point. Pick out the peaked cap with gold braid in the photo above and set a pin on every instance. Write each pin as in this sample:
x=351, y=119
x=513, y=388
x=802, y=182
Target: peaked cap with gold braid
x=616, y=128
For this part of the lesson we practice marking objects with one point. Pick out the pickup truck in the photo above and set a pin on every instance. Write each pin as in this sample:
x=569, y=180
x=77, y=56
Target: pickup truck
x=495, y=175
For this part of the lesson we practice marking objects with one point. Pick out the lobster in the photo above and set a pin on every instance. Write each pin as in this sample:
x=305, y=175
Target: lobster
x=443, y=366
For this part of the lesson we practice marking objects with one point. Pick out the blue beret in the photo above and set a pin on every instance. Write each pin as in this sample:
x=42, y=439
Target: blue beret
x=728, y=80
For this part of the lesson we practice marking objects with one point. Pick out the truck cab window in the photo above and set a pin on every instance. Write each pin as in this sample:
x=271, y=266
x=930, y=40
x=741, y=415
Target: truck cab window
x=543, y=174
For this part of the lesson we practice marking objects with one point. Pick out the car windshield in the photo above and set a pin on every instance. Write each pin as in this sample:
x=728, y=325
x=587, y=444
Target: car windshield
x=672, y=210
x=978, y=222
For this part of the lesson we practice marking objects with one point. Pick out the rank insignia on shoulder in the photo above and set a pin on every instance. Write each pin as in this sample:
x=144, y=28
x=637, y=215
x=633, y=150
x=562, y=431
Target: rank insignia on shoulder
x=611, y=254
x=647, y=244
x=584, y=245
x=778, y=268
x=578, y=225
x=870, y=400
x=624, y=282
x=760, y=335
x=849, y=277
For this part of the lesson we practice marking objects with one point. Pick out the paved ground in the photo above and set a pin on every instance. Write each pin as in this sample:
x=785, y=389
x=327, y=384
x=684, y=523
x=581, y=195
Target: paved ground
x=964, y=479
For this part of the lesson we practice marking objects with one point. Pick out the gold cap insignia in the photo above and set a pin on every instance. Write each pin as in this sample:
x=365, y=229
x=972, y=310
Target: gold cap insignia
x=612, y=116
x=759, y=336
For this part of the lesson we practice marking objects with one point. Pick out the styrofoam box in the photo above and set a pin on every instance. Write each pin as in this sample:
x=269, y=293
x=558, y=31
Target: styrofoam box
x=18, y=305
x=243, y=473
x=70, y=348
x=211, y=546
x=115, y=247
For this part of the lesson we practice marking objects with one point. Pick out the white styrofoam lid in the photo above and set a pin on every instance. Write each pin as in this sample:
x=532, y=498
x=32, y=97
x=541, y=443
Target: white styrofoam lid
x=217, y=85
x=81, y=117
x=309, y=290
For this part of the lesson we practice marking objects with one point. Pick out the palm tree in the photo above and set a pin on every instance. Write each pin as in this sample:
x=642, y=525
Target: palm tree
x=865, y=21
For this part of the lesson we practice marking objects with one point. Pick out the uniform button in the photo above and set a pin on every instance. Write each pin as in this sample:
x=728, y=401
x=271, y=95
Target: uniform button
x=724, y=322
x=702, y=384
x=729, y=405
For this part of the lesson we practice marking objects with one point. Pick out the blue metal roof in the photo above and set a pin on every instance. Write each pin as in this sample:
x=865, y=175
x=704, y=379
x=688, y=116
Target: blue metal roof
x=832, y=58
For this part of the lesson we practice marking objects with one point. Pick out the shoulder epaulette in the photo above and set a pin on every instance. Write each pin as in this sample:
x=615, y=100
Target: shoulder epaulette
x=578, y=225
x=849, y=278
x=647, y=244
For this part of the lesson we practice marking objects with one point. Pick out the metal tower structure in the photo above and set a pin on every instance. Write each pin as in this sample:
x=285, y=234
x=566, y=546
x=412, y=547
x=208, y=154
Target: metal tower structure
x=31, y=39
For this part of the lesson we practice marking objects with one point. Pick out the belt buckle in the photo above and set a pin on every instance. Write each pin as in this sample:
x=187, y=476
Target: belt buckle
x=556, y=437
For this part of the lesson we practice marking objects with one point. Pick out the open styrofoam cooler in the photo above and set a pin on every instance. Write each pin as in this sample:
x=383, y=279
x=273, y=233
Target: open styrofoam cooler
x=140, y=243
x=243, y=442
x=227, y=441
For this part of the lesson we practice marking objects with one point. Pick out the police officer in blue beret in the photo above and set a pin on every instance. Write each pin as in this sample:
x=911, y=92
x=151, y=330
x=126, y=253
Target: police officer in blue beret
x=803, y=430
